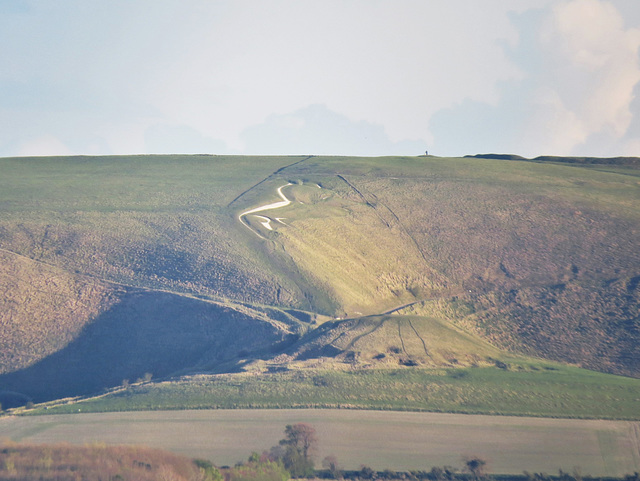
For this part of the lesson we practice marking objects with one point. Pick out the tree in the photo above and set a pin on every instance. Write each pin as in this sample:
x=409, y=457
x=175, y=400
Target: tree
x=475, y=466
x=299, y=445
x=302, y=437
x=330, y=463
x=254, y=458
x=446, y=473
x=366, y=472
x=276, y=453
x=258, y=470
x=208, y=470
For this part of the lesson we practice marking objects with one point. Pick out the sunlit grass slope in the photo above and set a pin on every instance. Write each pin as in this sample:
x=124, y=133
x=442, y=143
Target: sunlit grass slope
x=152, y=221
x=385, y=342
x=545, y=256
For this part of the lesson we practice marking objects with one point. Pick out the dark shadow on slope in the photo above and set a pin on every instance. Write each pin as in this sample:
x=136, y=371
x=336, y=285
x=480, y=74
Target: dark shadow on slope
x=147, y=332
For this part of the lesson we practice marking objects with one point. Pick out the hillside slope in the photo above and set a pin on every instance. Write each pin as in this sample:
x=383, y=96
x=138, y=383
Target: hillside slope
x=543, y=258
x=384, y=342
x=149, y=221
x=184, y=264
x=44, y=308
x=144, y=334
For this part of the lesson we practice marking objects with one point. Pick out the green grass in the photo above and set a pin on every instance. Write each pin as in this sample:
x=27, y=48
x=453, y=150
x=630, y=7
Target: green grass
x=152, y=221
x=125, y=183
x=540, y=258
x=523, y=389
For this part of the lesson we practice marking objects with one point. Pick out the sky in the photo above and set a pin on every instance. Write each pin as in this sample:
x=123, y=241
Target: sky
x=332, y=77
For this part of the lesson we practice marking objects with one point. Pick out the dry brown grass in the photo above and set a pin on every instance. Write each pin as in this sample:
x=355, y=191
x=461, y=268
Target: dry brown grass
x=43, y=308
x=592, y=326
x=22, y=462
x=385, y=342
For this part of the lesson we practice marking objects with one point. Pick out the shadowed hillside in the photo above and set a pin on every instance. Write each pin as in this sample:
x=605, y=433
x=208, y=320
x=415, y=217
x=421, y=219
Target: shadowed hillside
x=44, y=308
x=148, y=333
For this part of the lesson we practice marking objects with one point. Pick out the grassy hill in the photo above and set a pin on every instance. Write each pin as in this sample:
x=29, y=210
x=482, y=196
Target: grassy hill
x=148, y=333
x=538, y=258
x=158, y=222
x=520, y=387
x=386, y=342
x=44, y=308
x=152, y=264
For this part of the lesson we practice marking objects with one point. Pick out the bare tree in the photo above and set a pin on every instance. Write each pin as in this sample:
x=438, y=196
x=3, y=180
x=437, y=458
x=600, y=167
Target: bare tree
x=475, y=466
x=302, y=437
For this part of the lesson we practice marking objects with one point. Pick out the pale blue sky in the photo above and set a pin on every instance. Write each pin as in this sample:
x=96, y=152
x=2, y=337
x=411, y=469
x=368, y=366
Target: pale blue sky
x=357, y=77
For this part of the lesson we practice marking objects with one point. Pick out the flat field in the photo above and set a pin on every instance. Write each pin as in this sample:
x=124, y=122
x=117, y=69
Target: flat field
x=381, y=440
x=529, y=390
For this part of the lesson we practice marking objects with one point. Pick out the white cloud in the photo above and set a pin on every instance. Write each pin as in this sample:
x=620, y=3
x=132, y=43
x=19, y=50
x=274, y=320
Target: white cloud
x=389, y=63
x=556, y=128
x=45, y=145
x=592, y=63
x=580, y=65
x=109, y=79
x=317, y=130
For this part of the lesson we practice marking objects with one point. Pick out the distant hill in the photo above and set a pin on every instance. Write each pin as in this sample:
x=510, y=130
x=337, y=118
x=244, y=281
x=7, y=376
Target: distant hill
x=631, y=161
x=115, y=267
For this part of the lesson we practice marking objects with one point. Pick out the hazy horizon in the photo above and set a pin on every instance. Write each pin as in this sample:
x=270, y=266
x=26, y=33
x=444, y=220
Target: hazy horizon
x=532, y=77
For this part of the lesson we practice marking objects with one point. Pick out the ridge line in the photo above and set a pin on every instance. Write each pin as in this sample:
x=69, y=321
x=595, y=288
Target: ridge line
x=268, y=177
